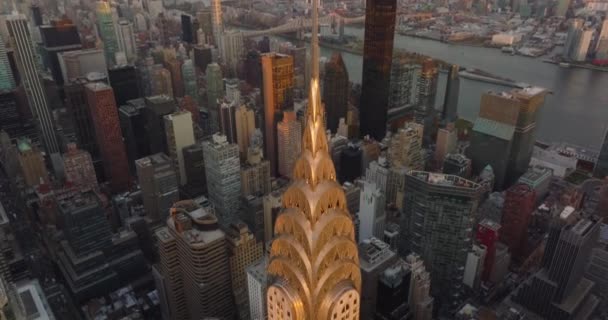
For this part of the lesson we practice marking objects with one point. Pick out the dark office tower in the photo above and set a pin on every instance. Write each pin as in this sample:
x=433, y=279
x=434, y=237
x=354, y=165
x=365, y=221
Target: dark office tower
x=10, y=121
x=26, y=55
x=350, y=163
x=516, y=215
x=123, y=80
x=104, y=114
x=228, y=121
x=37, y=16
x=601, y=166
x=377, y=59
x=202, y=57
x=439, y=213
x=253, y=69
x=133, y=127
x=194, y=163
x=335, y=91
x=156, y=108
x=187, y=32
x=393, y=292
x=60, y=36
x=452, y=90
x=81, y=258
x=560, y=290
x=76, y=102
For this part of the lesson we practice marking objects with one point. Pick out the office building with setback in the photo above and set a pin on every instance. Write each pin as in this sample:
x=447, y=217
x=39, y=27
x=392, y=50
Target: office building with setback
x=192, y=276
x=180, y=134
x=255, y=174
x=222, y=169
x=439, y=216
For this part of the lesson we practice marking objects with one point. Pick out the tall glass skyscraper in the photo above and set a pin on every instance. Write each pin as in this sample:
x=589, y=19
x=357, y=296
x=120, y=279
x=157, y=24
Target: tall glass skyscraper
x=7, y=82
x=107, y=32
x=27, y=60
x=377, y=59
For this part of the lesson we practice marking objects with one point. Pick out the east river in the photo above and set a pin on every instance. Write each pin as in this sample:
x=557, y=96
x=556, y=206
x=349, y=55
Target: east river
x=576, y=112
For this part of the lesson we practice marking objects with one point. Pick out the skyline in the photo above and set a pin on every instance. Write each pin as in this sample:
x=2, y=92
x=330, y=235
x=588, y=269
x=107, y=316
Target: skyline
x=178, y=160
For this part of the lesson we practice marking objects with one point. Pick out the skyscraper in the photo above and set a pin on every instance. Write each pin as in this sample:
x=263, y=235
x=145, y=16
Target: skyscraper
x=26, y=55
x=76, y=102
x=59, y=36
x=442, y=232
x=156, y=108
x=158, y=183
x=376, y=256
x=372, y=215
x=256, y=287
x=192, y=250
x=306, y=285
x=487, y=235
x=123, y=80
x=244, y=249
x=245, y=127
x=427, y=92
x=504, y=133
x=228, y=121
x=450, y=104
x=420, y=300
x=32, y=163
x=405, y=149
x=231, y=50
x=126, y=40
x=215, y=91
x=78, y=166
x=222, y=168
x=217, y=26
x=335, y=91
x=289, y=131
x=404, y=77
x=194, y=161
x=516, y=215
x=189, y=77
x=107, y=32
x=278, y=83
x=180, y=134
x=255, y=173
x=377, y=59
x=104, y=113
x=7, y=80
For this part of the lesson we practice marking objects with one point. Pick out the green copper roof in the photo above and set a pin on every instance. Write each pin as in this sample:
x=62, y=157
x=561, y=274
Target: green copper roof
x=24, y=145
x=494, y=128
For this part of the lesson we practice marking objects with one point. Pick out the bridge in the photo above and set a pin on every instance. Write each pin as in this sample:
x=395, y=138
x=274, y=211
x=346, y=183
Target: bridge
x=300, y=24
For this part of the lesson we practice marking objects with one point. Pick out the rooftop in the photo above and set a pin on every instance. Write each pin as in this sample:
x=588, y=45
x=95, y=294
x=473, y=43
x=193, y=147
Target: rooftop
x=373, y=252
x=34, y=301
x=490, y=224
x=441, y=179
x=494, y=128
x=97, y=86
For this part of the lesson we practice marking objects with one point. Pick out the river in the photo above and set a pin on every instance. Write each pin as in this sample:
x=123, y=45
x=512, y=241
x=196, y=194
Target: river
x=576, y=112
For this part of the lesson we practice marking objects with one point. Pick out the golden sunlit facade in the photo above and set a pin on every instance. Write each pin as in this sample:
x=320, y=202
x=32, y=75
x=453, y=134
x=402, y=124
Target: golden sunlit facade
x=314, y=264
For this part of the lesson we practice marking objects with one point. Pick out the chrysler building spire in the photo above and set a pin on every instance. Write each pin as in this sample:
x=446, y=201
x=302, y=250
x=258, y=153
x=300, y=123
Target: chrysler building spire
x=314, y=264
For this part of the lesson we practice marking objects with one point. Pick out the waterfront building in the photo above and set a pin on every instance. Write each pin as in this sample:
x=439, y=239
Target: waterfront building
x=159, y=187
x=441, y=233
x=222, y=169
x=104, y=113
x=278, y=83
x=504, y=133
x=601, y=165
x=377, y=58
x=335, y=91
x=315, y=204
x=18, y=29
x=193, y=251
x=449, y=113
